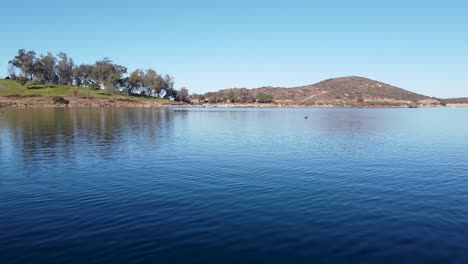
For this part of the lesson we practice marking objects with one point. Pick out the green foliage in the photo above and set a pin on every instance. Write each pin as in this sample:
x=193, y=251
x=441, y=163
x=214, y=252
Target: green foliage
x=64, y=69
x=182, y=95
x=36, y=85
x=264, y=98
x=11, y=88
x=44, y=69
x=107, y=73
x=48, y=69
x=22, y=80
x=148, y=82
x=94, y=86
x=25, y=62
x=360, y=100
x=443, y=103
x=241, y=95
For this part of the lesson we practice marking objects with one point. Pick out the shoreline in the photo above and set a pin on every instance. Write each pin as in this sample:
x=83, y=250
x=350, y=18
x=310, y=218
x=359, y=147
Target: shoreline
x=82, y=102
x=74, y=102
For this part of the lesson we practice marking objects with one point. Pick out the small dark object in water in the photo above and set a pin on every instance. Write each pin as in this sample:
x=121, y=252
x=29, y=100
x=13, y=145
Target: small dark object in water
x=60, y=100
x=305, y=117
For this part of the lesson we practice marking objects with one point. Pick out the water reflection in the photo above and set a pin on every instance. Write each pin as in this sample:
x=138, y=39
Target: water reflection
x=240, y=186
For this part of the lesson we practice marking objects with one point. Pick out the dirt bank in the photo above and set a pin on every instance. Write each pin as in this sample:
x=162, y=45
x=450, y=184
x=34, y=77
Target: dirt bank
x=77, y=102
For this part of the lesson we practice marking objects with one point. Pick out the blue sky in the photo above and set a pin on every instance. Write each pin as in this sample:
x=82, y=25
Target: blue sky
x=208, y=45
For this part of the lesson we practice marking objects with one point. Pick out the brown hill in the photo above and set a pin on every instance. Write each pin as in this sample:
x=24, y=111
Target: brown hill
x=461, y=100
x=350, y=90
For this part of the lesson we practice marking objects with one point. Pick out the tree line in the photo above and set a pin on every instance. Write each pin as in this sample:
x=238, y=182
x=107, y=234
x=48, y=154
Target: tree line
x=235, y=95
x=103, y=74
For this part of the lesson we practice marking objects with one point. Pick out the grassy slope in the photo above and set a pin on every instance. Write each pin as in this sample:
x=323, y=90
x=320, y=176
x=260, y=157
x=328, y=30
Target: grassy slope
x=12, y=88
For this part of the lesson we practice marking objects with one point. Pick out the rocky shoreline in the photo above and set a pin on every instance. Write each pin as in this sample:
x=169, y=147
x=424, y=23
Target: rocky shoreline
x=74, y=102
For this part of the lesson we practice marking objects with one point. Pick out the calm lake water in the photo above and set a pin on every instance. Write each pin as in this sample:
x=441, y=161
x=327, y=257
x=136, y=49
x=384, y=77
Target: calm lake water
x=234, y=186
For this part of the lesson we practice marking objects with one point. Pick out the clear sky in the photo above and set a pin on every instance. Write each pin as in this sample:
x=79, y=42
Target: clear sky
x=208, y=45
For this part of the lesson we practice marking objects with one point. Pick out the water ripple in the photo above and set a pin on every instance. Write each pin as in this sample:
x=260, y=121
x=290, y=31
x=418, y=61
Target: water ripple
x=230, y=186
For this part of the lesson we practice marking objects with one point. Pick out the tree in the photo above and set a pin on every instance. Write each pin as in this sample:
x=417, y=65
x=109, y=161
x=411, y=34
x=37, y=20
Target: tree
x=44, y=68
x=104, y=73
x=39, y=71
x=82, y=74
x=12, y=72
x=108, y=74
x=150, y=83
x=231, y=97
x=153, y=82
x=65, y=69
x=168, y=86
x=244, y=96
x=82, y=77
x=116, y=74
x=136, y=81
x=24, y=61
x=264, y=98
x=182, y=95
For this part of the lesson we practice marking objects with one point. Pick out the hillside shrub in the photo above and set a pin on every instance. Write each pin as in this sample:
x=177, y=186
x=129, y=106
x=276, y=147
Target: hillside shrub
x=264, y=98
x=94, y=86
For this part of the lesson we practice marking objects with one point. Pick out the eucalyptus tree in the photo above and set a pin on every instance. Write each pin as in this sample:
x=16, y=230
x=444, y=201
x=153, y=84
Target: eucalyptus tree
x=65, y=68
x=46, y=66
x=103, y=74
x=147, y=82
x=39, y=71
x=108, y=74
x=82, y=75
x=153, y=83
x=182, y=95
x=24, y=61
x=136, y=82
x=12, y=72
x=168, y=86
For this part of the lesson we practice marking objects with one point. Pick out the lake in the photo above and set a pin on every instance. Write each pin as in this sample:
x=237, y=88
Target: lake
x=233, y=185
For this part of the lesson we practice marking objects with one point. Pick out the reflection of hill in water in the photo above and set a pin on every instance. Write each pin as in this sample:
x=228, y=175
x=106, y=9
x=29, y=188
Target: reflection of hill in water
x=64, y=134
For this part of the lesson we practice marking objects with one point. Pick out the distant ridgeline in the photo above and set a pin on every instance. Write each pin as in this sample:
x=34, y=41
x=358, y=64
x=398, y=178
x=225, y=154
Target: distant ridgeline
x=345, y=91
x=26, y=67
x=59, y=75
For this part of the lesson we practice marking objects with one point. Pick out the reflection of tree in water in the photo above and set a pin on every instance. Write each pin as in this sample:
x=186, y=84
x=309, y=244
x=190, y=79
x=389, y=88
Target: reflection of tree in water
x=65, y=134
x=35, y=132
